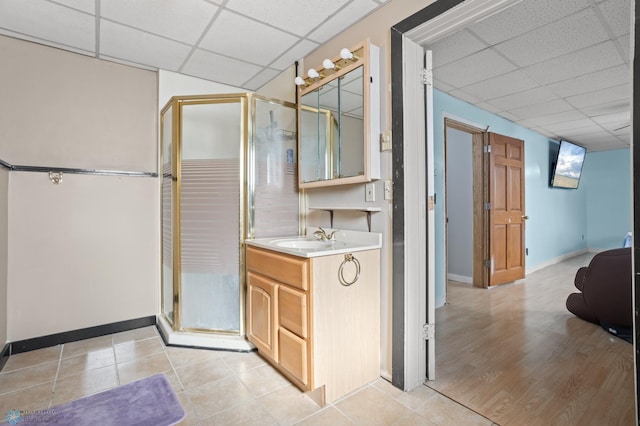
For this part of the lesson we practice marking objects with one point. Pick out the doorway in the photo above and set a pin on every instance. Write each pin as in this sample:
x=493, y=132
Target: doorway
x=464, y=219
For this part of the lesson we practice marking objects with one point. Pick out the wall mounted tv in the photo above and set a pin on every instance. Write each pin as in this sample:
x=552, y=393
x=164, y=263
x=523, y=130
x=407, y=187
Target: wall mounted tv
x=568, y=165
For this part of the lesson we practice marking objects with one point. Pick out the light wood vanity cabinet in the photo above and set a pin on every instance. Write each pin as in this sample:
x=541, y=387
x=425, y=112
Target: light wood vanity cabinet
x=320, y=334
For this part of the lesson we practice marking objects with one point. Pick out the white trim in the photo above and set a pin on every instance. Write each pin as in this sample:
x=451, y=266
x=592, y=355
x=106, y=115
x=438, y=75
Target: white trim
x=415, y=210
x=555, y=260
x=460, y=278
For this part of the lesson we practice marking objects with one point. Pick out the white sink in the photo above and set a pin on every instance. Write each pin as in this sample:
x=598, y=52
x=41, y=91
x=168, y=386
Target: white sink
x=307, y=246
x=302, y=244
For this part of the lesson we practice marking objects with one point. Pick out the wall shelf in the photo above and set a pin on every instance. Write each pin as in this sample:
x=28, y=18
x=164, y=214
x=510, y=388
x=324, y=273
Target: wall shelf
x=367, y=210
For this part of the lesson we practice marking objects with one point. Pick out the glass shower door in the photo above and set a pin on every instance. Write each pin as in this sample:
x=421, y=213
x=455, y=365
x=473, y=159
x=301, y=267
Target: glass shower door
x=210, y=194
x=167, y=215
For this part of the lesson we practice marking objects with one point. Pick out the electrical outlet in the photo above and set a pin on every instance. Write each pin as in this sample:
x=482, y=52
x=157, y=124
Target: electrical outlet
x=388, y=189
x=369, y=192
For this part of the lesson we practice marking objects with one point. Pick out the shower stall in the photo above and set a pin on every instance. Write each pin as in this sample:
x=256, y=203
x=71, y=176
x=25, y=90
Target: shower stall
x=229, y=173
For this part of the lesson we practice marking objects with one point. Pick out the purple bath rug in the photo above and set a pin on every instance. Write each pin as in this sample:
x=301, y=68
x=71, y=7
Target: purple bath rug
x=146, y=402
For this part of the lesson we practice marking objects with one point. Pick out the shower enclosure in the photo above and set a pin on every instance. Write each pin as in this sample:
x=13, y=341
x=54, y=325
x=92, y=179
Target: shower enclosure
x=229, y=167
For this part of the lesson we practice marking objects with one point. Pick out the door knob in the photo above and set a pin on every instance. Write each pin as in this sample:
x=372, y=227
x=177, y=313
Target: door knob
x=525, y=217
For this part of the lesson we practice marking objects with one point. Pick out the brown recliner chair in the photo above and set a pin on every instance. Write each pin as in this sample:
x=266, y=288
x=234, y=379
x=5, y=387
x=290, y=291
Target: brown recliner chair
x=605, y=292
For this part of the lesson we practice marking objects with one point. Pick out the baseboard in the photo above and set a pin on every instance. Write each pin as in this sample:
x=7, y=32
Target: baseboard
x=556, y=260
x=460, y=278
x=80, y=334
x=4, y=355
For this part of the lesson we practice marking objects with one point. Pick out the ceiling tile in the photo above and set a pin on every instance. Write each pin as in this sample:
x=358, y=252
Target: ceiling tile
x=464, y=96
x=613, y=118
x=141, y=47
x=529, y=97
x=556, y=39
x=295, y=16
x=605, y=109
x=488, y=107
x=454, y=47
x=611, y=94
x=472, y=69
x=617, y=127
x=625, y=45
x=293, y=54
x=257, y=41
x=442, y=86
x=353, y=12
x=505, y=84
x=597, y=135
x=617, y=13
x=581, y=62
x=542, y=109
x=182, y=20
x=509, y=116
x=81, y=5
x=593, y=81
x=44, y=20
x=219, y=68
x=566, y=126
x=547, y=119
x=524, y=17
x=261, y=78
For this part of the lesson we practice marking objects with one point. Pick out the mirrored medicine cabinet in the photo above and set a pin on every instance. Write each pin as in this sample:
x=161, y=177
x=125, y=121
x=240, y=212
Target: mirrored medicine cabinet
x=339, y=119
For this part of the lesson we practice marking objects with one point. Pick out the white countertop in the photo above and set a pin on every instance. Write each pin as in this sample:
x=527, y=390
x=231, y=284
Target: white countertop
x=344, y=242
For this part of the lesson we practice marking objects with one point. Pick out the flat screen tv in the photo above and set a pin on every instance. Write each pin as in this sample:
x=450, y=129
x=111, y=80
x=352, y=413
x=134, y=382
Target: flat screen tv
x=568, y=165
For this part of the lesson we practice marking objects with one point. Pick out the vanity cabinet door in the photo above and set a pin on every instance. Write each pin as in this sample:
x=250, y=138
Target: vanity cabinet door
x=293, y=310
x=294, y=356
x=263, y=307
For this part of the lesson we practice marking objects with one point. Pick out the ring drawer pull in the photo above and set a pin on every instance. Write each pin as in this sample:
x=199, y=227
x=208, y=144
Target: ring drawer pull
x=347, y=259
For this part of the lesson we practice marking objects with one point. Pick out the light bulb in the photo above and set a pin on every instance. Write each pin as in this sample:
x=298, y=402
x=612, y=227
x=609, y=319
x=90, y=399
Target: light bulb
x=313, y=73
x=299, y=81
x=346, y=54
x=328, y=64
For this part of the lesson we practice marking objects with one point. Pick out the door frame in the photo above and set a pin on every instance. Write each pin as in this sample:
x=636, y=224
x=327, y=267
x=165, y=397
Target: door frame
x=479, y=191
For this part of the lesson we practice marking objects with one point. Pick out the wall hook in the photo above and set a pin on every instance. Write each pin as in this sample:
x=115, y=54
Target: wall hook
x=55, y=177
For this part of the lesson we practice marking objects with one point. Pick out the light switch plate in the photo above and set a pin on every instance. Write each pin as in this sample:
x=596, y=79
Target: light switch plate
x=370, y=192
x=388, y=191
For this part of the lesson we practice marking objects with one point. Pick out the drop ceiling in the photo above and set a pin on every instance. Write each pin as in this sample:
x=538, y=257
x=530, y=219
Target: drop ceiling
x=561, y=68
x=242, y=43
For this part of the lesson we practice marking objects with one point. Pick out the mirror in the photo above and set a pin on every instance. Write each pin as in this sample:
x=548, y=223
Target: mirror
x=335, y=130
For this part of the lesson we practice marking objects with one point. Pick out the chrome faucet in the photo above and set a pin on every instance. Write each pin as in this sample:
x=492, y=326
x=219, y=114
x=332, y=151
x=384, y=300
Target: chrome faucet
x=321, y=234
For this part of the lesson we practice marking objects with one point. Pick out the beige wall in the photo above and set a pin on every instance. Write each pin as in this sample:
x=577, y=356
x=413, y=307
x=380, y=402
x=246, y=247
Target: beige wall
x=4, y=210
x=84, y=252
x=68, y=110
x=376, y=27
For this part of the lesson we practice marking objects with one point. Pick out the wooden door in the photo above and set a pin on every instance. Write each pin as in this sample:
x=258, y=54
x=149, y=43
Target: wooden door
x=506, y=209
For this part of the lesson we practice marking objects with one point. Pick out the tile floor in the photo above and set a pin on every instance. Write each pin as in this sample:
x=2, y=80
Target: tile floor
x=214, y=387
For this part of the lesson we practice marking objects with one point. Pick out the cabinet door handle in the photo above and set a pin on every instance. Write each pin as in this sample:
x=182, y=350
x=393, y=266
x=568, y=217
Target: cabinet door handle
x=348, y=258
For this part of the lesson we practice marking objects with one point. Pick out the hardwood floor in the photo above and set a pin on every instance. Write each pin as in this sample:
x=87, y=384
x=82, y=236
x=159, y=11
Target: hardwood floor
x=516, y=355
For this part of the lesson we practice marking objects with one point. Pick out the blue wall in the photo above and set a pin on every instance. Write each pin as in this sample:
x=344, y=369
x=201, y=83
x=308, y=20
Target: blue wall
x=607, y=178
x=557, y=222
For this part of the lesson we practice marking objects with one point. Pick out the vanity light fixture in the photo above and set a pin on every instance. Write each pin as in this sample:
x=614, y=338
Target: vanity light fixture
x=312, y=73
x=347, y=54
x=328, y=64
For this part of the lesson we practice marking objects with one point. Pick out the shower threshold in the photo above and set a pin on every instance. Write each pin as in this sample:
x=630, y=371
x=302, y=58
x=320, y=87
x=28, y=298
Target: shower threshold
x=202, y=340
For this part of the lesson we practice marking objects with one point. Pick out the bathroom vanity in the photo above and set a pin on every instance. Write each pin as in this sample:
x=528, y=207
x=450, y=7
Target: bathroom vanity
x=314, y=310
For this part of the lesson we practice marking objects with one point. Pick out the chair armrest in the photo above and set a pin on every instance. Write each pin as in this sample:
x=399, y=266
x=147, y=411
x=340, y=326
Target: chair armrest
x=579, y=279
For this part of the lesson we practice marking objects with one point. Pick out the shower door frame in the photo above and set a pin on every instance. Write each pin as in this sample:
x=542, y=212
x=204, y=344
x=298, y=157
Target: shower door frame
x=246, y=181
